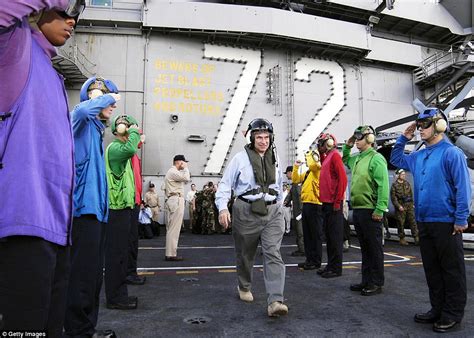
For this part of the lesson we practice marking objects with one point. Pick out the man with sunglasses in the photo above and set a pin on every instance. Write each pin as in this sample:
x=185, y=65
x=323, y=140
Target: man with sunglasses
x=442, y=196
x=36, y=155
x=369, y=200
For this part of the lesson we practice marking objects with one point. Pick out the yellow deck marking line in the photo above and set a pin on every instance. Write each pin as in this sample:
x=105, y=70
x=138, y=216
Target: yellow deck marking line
x=187, y=272
x=416, y=263
x=388, y=265
x=350, y=267
x=227, y=270
x=146, y=273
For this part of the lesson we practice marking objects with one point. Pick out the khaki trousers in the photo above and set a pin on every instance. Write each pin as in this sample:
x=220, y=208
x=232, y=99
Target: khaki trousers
x=248, y=229
x=175, y=207
x=191, y=216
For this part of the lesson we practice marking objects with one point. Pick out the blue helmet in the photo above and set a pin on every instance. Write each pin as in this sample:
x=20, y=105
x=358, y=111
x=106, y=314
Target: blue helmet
x=428, y=113
x=106, y=86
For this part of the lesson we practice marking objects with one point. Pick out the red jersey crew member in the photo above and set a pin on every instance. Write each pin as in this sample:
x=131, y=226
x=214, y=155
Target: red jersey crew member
x=332, y=186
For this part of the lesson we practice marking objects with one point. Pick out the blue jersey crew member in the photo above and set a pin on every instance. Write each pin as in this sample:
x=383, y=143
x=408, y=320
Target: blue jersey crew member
x=91, y=210
x=442, y=190
x=255, y=177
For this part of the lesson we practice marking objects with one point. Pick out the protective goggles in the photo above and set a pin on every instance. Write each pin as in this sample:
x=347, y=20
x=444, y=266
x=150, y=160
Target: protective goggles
x=99, y=84
x=321, y=141
x=73, y=9
x=359, y=135
x=423, y=124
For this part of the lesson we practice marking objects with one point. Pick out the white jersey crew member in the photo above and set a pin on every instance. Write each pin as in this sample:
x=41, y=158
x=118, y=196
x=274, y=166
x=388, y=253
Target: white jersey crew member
x=255, y=177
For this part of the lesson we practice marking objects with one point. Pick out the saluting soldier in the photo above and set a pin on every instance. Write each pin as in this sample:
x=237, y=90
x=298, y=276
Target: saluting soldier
x=402, y=199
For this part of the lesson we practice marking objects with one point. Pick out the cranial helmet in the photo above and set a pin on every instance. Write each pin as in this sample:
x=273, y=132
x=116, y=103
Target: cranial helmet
x=106, y=86
x=328, y=139
x=124, y=120
x=258, y=125
x=433, y=115
x=399, y=171
x=366, y=132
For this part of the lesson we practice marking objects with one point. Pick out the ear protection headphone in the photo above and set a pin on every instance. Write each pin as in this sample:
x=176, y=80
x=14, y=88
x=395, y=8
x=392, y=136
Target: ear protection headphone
x=120, y=125
x=314, y=154
x=328, y=139
x=440, y=124
x=370, y=137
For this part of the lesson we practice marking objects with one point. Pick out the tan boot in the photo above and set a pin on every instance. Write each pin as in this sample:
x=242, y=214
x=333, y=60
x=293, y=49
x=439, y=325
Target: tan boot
x=277, y=309
x=403, y=242
x=245, y=296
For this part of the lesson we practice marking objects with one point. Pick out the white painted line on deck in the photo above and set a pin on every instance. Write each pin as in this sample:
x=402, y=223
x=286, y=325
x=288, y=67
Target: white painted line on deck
x=398, y=259
x=206, y=247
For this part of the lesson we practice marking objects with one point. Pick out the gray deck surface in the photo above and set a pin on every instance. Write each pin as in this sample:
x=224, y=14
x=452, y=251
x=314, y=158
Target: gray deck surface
x=197, y=297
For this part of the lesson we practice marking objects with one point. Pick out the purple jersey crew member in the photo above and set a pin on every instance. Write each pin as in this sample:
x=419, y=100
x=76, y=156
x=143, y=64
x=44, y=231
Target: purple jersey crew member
x=37, y=165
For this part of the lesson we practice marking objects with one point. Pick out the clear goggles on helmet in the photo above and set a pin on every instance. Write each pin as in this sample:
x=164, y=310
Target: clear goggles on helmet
x=100, y=85
x=424, y=123
x=123, y=120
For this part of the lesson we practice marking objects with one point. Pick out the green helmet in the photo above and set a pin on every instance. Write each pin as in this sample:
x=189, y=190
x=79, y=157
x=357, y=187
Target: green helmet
x=123, y=119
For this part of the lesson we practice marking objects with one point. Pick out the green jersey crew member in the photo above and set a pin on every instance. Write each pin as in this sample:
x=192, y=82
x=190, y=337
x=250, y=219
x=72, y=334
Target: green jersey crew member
x=369, y=200
x=121, y=202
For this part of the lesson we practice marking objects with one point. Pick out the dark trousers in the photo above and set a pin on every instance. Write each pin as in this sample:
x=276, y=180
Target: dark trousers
x=443, y=261
x=33, y=284
x=369, y=233
x=333, y=221
x=133, y=243
x=347, y=229
x=85, y=282
x=312, y=233
x=116, y=255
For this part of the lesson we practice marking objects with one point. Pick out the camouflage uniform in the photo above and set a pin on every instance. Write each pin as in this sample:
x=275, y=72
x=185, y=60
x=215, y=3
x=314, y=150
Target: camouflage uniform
x=401, y=195
x=208, y=214
x=197, y=215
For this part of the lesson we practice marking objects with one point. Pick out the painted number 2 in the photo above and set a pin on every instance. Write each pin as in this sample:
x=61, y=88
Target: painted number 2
x=335, y=103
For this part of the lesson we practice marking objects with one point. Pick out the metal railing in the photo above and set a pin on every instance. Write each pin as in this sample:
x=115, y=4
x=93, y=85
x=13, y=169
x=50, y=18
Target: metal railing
x=75, y=54
x=439, y=61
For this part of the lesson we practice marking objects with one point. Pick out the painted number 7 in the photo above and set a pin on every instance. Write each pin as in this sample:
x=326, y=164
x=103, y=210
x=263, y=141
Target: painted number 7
x=253, y=61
